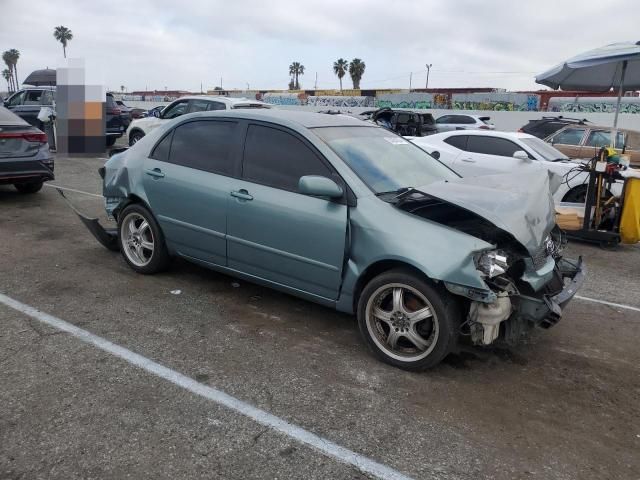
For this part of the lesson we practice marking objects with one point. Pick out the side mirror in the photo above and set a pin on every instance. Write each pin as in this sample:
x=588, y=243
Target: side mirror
x=435, y=154
x=521, y=155
x=156, y=113
x=319, y=186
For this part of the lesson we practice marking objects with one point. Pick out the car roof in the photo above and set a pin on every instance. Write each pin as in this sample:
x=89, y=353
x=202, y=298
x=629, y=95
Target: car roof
x=8, y=118
x=219, y=98
x=287, y=117
x=595, y=127
x=480, y=133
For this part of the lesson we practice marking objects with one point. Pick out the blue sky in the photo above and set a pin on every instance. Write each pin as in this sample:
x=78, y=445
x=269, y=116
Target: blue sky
x=179, y=44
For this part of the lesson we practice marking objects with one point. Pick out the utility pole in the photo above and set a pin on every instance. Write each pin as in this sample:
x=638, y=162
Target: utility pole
x=410, y=77
x=248, y=87
x=315, y=85
x=428, y=65
x=221, y=83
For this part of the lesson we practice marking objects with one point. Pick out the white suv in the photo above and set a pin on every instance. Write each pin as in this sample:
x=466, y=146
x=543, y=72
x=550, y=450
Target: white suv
x=449, y=122
x=142, y=126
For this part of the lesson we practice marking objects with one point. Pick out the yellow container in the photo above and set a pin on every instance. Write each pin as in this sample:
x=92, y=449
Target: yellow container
x=630, y=220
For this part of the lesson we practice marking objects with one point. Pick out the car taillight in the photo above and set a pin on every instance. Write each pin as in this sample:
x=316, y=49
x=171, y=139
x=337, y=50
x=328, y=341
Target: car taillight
x=113, y=111
x=520, y=130
x=38, y=137
x=484, y=127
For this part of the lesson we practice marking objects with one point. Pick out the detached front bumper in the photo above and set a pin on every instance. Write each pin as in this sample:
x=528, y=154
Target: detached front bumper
x=546, y=310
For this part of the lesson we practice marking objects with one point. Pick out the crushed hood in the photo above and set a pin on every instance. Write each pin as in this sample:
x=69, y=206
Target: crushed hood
x=520, y=204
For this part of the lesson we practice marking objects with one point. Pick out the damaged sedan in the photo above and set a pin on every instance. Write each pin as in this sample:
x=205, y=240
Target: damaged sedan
x=348, y=215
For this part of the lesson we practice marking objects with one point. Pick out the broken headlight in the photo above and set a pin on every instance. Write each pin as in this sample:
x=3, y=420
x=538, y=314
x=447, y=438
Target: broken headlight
x=492, y=263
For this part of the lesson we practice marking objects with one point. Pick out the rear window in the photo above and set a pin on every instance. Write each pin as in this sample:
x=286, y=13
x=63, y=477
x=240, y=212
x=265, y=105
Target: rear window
x=252, y=105
x=458, y=141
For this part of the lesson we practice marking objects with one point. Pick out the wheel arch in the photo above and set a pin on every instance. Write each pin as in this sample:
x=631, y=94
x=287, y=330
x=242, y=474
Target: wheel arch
x=380, y=266
x=136, y=129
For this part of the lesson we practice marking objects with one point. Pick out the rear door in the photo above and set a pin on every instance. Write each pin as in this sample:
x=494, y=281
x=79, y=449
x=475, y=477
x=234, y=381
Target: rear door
x=275, y=232
x=187, y=181
x=569, y=141
x=486, y=155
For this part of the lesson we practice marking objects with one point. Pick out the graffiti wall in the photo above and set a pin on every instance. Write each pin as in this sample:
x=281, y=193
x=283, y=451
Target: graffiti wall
x=341, y=101
x=405, y=100
x=509, y=102
x=316, y=100
x=593, y=104
x=283, y=98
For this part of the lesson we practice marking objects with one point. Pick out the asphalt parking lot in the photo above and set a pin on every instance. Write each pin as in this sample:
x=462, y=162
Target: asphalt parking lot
x=564, y=405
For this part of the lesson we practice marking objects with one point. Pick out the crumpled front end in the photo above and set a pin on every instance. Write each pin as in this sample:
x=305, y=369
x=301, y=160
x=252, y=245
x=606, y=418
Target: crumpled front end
x=522, y=293
x=526, y=281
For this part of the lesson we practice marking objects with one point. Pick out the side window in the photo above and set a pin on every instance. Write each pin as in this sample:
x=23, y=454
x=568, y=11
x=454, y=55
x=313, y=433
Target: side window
x=464, y=120
x=175, y=110
x=162, y=149
x=198, y=105
x=47, y=97
x=602, y=138
x=217, y=106
x=204, y=145
x=17, y=99
x=278, y=159
x=492, y=146
x=569, y=136
x=33, y=97
x=458, y=141
x=444, y=119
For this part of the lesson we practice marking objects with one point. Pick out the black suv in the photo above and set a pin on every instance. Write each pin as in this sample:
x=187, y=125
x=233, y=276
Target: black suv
x=546, y=126
x=403, y=122
x=117, y=120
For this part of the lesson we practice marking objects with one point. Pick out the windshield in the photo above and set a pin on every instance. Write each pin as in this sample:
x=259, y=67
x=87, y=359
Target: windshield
x=543, y=149
x=383, y=160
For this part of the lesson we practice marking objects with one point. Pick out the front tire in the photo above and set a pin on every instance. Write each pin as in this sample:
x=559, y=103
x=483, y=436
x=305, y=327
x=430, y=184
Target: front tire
x=135, y=137
x=141, y=241
x=31, y=187
x=406, y=321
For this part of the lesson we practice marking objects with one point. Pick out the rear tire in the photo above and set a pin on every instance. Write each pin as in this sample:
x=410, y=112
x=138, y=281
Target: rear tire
x=406, y=321
x=111, y=141
x=31, y=187
x=141, y=241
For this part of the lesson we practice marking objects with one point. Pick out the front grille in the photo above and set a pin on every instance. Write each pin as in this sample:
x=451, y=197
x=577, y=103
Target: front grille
x=540, y=257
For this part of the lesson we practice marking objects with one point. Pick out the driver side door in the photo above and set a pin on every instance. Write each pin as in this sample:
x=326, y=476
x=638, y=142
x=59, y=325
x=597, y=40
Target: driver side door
x=276, y=233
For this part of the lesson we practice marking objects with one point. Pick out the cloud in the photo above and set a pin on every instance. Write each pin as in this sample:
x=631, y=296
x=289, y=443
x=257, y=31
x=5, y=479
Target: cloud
x=162, y=43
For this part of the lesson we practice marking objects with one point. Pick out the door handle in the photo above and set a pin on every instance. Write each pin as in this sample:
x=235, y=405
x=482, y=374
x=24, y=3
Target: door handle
x=468, y=160
x=156, y=172
x=241, y=194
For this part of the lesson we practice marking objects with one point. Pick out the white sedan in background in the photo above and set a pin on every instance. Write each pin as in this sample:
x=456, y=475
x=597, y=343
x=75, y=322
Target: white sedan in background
x=196, y=103
x=472, y=153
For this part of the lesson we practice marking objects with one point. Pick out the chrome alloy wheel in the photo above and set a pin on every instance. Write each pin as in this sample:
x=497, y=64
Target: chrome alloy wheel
x=137, y=239
x=402, y=322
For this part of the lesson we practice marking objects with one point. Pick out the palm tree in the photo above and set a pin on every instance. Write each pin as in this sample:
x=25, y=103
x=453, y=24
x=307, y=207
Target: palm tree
x=122, y=88
x=6, y=73
x=296, y=69
x=6, y=56
x=63, y=35
x=340, y=67
x=356, y=71
x=15, y=56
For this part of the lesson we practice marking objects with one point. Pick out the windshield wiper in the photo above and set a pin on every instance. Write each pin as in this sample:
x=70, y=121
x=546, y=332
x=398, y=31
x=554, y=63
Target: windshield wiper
x=399, y=191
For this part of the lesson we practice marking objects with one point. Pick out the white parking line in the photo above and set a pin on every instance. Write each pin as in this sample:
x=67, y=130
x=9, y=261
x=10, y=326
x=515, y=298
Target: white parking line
x=327, y=447
x=72, y=190
x=611, y=304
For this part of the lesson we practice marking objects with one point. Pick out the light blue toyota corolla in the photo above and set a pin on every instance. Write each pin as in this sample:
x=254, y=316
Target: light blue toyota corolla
x=348, y=215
